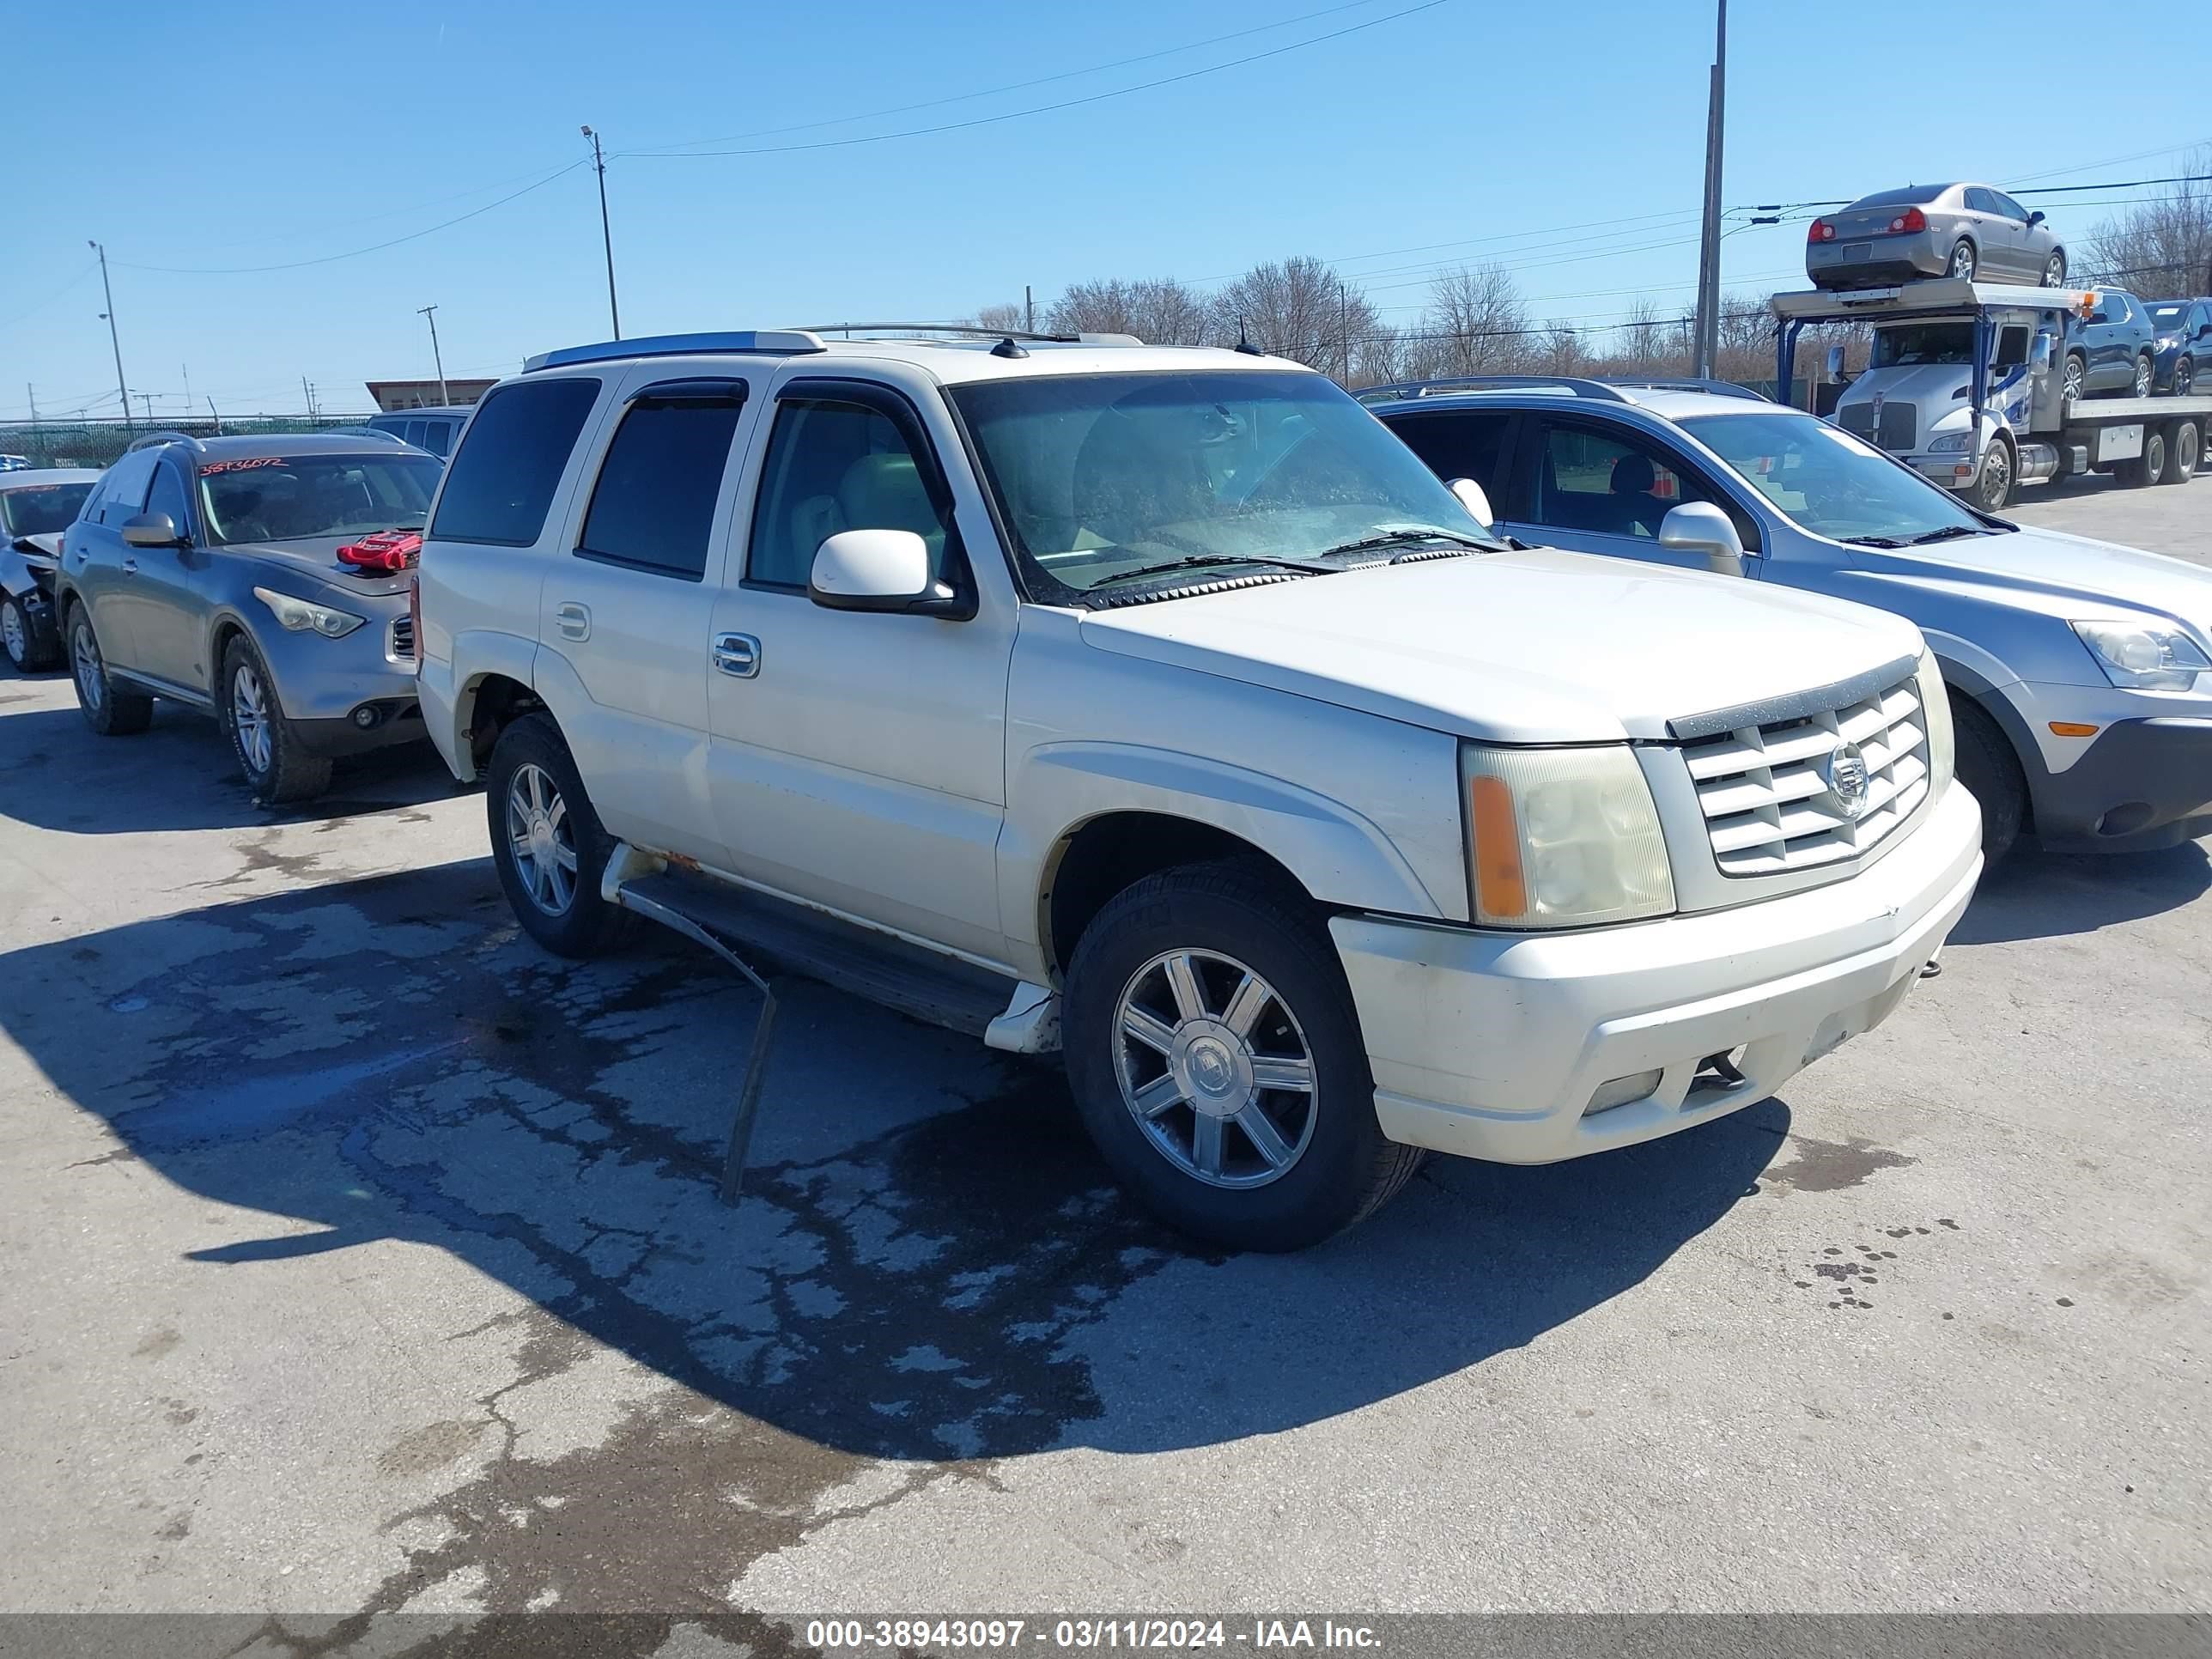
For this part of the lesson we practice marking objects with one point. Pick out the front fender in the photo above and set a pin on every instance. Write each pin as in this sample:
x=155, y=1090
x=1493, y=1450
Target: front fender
x=1339, y=854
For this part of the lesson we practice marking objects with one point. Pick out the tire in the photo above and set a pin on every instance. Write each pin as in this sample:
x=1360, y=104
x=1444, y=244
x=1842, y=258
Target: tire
x=1991, y=771
x=276, y=765
x=550, y=873
x=2185, y=376
x=2145, y=376
x=1330, y=1165
x=1964, y=261
x=108, y=710
x=2185, y=449
x=2054, y=269
x=1993, y=489
x=2075, y=383
x=30, y=646
x=2148, y=468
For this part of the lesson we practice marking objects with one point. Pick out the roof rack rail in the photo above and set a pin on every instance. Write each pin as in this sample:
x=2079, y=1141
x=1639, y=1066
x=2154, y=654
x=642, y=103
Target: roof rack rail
x=153, y=438
x=779, y=342
x=1611, y=388
x=1685, y=383
x=978, y=330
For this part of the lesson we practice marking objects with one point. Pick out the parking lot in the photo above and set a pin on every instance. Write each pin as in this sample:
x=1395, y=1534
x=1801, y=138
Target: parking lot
x=362, y=1257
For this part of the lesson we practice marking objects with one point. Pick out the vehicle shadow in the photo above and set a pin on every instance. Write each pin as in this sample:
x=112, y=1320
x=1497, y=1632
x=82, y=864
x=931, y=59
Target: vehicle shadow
x=929, y=1261
x=2039, y=895
x=179, y=775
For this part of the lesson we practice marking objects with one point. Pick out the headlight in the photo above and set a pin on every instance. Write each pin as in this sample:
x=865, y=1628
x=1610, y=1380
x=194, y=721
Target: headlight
x=301, y=617
x=2150, y=659
x=1935, y=717
x=1951, y=442
x=1562, y=837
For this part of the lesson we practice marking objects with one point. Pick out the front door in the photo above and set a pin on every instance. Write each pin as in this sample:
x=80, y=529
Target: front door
x=169, y=589
x=1599, y=488
x=625, y=606
x=859, y=758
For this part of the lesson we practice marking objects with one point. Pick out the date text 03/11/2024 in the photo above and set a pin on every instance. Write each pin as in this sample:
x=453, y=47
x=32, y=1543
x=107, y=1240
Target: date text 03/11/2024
x=990, y=1635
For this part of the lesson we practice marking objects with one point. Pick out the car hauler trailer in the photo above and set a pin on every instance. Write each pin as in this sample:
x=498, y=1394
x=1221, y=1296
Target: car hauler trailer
x=1967, y=387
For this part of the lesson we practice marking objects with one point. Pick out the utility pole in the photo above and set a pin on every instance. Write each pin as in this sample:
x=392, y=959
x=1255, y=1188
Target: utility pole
x=1344, y=327
x=436, y=356
x=108, y=317
x=1028, y=310
x=186, y=369
x=1707, y=345
x=217, y=413
x=147, y=398
x=606, y=235
x=307, y=392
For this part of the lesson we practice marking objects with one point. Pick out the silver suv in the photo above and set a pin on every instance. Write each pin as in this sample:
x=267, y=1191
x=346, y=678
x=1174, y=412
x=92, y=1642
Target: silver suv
x=215, y=572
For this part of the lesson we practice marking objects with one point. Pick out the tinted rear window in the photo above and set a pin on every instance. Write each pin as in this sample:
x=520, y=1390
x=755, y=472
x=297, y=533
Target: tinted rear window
x=1911, y=195
x=655, y=503
x=502, y=483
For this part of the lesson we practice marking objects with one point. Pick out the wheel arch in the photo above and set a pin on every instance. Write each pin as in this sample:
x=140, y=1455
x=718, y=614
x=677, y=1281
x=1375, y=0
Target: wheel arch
x=488, y=703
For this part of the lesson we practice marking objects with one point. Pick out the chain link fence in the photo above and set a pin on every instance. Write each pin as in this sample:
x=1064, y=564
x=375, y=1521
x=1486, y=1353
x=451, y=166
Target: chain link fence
x=97, y=443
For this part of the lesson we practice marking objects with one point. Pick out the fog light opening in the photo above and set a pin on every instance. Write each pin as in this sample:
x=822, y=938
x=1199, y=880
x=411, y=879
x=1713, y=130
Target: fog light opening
x=1718, y=1070
x=368, y=717
x=1621, y=1090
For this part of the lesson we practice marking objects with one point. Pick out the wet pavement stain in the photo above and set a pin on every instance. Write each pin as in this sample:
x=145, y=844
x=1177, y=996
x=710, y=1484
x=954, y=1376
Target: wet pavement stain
x=1829, y=1166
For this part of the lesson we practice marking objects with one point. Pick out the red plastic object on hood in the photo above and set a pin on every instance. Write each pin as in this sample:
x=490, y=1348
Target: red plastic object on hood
x=387, y=550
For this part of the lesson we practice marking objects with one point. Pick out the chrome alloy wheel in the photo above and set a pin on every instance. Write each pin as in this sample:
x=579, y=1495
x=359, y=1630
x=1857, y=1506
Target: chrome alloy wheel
x=249, y=718
x=539, y=837
x=84, y=659
x=1215, y=1068
x=11, y=633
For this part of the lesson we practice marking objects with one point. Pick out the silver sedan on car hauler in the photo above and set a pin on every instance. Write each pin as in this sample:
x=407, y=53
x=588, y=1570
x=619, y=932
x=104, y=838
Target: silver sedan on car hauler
x=1965, y=231
x=251, y=579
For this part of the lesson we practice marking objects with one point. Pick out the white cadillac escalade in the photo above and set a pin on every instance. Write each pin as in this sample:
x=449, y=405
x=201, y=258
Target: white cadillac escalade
x=1158, y=706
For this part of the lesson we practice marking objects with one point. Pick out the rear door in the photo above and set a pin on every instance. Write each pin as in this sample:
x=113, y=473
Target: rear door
x=628, y=598
x=100, y=566
x=1599, y=486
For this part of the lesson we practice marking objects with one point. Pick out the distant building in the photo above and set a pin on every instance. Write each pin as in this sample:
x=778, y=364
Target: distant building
x=423, y=394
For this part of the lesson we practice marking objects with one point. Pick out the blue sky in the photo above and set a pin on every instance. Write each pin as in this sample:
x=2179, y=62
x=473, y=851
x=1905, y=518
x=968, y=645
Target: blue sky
x=1569, y=138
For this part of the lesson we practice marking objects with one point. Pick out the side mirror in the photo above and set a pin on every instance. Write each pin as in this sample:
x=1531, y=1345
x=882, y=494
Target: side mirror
x=1701, y=527
x=2040, y=354
x=2036, y=217
x=874, y=570
x=152, y=530
x=1472, y=498
x=1835, y=363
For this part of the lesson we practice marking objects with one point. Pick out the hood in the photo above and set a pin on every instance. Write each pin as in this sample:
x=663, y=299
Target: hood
x=1533, y=647
x=2069, y=577
x=318, y=556
x=42, y=550
x=1925, y=384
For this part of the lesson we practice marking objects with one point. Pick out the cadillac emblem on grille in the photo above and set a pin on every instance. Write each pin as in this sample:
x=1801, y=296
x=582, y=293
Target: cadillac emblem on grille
x=1844, y=770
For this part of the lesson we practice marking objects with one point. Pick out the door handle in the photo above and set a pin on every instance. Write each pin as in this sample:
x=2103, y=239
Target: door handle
x=737, y=654
x=574, y=620
x=130, y=567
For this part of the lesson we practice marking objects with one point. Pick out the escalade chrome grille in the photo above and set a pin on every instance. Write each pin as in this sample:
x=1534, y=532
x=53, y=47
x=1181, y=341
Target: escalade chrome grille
x=1769, y=791
x=402, y=639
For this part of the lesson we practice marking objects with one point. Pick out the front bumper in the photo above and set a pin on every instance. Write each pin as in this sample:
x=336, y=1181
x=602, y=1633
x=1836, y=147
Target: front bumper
x=2140, y=786
x=343, y=696
x=1491, y=1045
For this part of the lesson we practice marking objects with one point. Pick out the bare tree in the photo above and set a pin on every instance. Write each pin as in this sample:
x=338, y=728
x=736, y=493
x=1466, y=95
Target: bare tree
x=2161, y=248
x=1642, y=340
x=1006, y=315
x=1300, y=308
x=1562, y=349
x=1476, y=322
x=1159, y=310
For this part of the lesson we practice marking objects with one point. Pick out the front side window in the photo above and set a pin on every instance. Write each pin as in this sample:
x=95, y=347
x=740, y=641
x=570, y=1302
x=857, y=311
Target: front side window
x=1103, y=477
x=280, y=498
x=653, y=506
x=168, y=496
x=2010, y=209
x=834, y=466
x=43, y=509
x=499, y=486
x=1830, y=483
x=122, y=491
x=1460, y=445
x=1608, y=483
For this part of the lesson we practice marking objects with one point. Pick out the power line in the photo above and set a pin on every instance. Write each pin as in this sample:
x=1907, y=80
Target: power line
x=992, y=92
x=1046, y=109
x=352, y=253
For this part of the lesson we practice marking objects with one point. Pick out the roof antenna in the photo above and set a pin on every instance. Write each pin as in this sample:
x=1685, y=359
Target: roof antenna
x=1008, y=347
x=1244, y=344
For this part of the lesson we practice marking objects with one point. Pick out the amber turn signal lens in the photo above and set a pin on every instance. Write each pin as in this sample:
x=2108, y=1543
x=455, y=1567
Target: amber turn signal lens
x=1503, y=888
x=2071, y=729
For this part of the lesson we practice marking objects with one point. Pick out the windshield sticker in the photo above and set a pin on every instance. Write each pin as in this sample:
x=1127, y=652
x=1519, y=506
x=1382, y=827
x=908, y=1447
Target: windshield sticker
x=213, y=467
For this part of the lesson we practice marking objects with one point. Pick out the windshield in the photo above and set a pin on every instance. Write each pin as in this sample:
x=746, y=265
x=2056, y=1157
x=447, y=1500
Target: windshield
x=281, y=498
x=1827, y=481
x=2166, y=318
x=1924, y=342
x=43, y=509
x=1099, y=476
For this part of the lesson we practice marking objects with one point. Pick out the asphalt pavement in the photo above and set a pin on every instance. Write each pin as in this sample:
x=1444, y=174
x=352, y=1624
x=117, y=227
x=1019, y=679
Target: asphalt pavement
x=361, y=1257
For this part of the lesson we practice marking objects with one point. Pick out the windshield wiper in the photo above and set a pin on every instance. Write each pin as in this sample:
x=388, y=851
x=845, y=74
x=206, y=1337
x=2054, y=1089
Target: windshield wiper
x=1383, y=539
x=1210, y=561
x=1873, y=541
x=1949, y=532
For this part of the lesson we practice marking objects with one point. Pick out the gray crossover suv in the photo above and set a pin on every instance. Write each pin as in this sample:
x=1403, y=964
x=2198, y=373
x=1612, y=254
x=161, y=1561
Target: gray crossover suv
x=229, y=575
